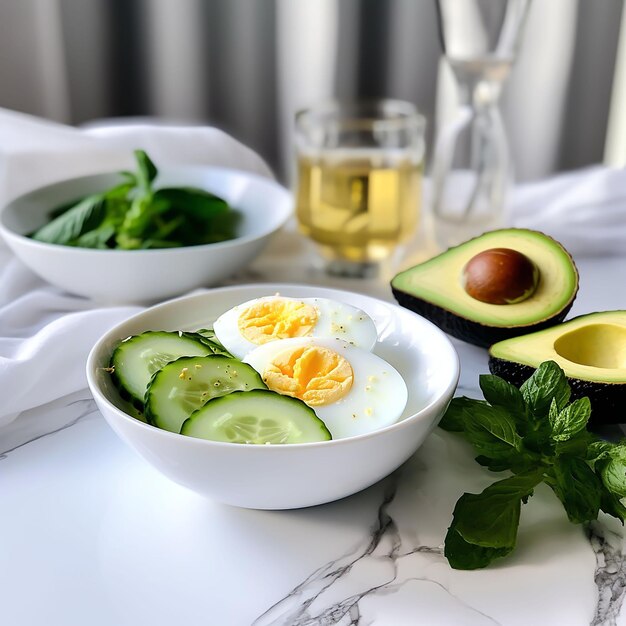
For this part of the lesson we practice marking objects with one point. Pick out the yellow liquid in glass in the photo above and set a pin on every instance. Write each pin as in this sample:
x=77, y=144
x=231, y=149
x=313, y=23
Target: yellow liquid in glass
x=358, y=207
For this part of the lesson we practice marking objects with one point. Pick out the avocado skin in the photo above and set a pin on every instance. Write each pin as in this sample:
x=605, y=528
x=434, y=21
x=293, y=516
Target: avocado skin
x=466, y=330
x=608, y=400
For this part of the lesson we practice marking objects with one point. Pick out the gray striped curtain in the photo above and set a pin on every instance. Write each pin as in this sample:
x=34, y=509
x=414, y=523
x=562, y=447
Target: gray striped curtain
x=247, y=65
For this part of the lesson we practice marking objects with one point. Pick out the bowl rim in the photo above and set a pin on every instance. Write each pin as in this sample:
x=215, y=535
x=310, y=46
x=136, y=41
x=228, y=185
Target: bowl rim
x=9, y=233
x=272, y=287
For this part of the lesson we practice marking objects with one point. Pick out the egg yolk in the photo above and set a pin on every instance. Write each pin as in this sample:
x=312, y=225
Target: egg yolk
x=276, y=319
x=314, y=374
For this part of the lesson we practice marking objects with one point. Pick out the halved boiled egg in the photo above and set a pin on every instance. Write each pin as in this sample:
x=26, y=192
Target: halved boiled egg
x=350, y=389
x=260, y=321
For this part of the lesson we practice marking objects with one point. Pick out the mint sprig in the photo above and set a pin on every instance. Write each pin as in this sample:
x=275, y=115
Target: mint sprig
x=536, y=434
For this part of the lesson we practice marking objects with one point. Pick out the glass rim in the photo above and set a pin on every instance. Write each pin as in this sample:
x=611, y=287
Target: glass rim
x=401, y=113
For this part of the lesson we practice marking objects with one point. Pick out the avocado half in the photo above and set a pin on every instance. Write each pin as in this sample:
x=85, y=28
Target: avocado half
x=591, y=350
x=434, y=289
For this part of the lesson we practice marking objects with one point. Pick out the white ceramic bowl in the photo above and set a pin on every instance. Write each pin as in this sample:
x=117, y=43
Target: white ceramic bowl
x=293, y=475
x=129, y=276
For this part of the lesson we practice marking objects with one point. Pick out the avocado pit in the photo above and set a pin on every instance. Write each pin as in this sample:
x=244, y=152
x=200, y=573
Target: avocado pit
x=500, y=276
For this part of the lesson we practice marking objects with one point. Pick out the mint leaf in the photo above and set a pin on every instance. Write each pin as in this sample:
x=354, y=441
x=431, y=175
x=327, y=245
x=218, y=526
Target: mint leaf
x=484, y=526
x=129, y=177
x=570, y=420
x=96, y=238
x=196, y=202
x=458, y=411
x=146, y=171
x=494, y=420
x=490, y=429
x=599, y=450
x=490, y=518
x=494, y=465
x=119, y=192
x=499, y=392
x=74, y=222
x=514, y=461
x=548, y=382
x=207, y=337
x=578, y=488
x=576, y=445
x=139, y=219
x=466, y=556
x=613, y=474
x=553, y=412
x=611, y=505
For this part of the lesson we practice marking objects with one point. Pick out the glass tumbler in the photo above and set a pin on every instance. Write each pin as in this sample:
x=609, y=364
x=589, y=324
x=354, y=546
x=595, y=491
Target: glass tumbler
x=358, y=192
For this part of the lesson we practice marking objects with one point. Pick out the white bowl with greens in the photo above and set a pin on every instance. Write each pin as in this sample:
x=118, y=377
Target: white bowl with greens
x=263, y=474
x=180, y=229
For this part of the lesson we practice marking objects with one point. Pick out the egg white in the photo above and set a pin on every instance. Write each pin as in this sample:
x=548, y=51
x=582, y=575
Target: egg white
x=335, y=320
x=376, y=399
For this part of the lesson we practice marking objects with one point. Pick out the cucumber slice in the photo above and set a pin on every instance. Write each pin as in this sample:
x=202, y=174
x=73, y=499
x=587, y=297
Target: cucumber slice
x=184, y=385
x=137, y=358
x=258, y=417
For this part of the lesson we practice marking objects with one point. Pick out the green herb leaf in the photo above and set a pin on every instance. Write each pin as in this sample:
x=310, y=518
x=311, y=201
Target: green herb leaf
x=209, y=333
x=139, y=219
x=514, y=461
x=467, y=556
x=578, y=488
x=499, y=392
x=611, y=505
x=570, y=420
x=97, y=238
x=454, y=418
x=484, y=526
x=207, y=337
x=153, y=244
x=553, y=413
x=146, y=171
x=613, y=472
x=494, y=420
x=119, y=192
x=129, y=177
x=614, y=477
x=548, y=382
x=81, y=218
x=490, y=518
x=599, y=450
x=197, y=202
x=576, y=445
x=490, y=429
x=62, y=208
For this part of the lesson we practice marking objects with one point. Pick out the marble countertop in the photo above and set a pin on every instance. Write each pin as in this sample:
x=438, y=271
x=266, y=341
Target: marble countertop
x=92, y=535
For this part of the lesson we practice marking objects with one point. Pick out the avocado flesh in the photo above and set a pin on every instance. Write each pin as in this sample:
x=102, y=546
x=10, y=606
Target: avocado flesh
x=591, y=350
x=434, y=289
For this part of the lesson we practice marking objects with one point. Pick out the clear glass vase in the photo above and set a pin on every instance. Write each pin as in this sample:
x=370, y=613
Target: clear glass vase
x=471, y=169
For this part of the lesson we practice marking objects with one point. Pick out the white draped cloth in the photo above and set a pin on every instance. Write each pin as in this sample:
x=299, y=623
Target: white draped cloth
x=45, y=334
x=585, y=210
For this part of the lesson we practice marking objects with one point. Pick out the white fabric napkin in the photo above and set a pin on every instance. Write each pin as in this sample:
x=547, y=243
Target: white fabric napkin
x=585, y=210
x=46, y=335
